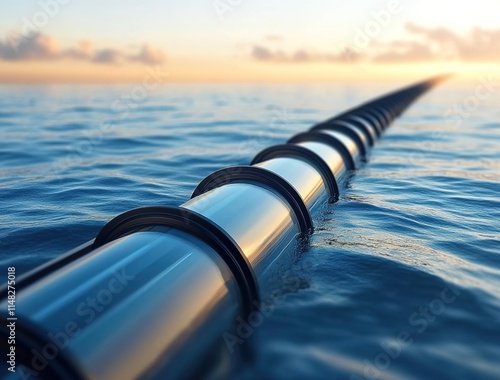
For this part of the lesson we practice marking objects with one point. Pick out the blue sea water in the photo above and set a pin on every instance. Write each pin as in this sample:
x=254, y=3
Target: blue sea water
x=402, y=277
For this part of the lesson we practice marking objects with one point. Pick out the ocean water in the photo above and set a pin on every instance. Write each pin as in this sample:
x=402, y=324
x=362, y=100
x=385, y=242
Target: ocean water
x=402, y=277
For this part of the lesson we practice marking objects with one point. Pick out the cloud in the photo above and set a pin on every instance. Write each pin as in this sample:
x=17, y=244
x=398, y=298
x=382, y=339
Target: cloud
x=263, y=53
x=440, y=35
x=149, y=55
x=84, y=50
x=422, y=45
x=406, y=51
x=39, y=47
x=483, y=45
x=107, y=56
x=442, y=43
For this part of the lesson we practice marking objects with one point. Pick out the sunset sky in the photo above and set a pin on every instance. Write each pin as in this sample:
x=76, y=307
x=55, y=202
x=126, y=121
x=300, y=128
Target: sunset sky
x=246, y=40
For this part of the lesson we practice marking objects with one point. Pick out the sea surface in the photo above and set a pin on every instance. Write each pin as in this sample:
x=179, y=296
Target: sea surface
x=402, y=277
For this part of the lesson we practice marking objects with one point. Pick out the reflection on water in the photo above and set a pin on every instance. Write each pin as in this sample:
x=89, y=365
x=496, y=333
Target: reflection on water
x=422, y=217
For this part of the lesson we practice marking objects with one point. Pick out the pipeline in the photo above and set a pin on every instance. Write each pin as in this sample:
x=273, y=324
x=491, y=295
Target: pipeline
x=157, y=291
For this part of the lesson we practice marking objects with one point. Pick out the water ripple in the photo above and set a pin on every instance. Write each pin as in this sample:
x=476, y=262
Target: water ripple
x=413, y=245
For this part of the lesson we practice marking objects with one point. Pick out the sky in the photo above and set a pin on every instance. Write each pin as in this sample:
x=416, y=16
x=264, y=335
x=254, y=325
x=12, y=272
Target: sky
x=247, y=40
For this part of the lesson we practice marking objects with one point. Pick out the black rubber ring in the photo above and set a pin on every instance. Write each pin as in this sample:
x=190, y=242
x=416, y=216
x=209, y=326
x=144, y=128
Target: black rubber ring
x=382, y=106
x=198, y=226
x=369, y=133
x=359, y=127
x=386, y=106
x=344, y=129
x=330, y=140
x=382, y=114
x=381, y=122
x=372, y=118
x=260, y=176
x=296, y=151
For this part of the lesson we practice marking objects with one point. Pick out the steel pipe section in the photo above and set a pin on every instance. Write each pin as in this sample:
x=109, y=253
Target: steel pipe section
x=161, y=291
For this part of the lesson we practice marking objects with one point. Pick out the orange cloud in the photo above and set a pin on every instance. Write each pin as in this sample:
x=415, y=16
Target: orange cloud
x=263, y=53
x=479, y=45
x=423, y=45
x=36, y=47
x=405, y=51
x=149, y=54
x=40, y=47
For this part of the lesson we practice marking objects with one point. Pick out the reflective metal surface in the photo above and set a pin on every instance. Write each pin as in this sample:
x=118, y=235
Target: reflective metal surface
x=357, y=130
x=259, y=220
x=347, y=141
x=301, y=175
x=134, y=303
x=331, y=156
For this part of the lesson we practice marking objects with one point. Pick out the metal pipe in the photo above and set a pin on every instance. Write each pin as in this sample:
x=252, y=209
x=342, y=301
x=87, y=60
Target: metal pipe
x=108, y=308
x=159, y=287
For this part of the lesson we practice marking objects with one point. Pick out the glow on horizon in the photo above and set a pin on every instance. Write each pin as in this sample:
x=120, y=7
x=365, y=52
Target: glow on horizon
x=200, y=46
